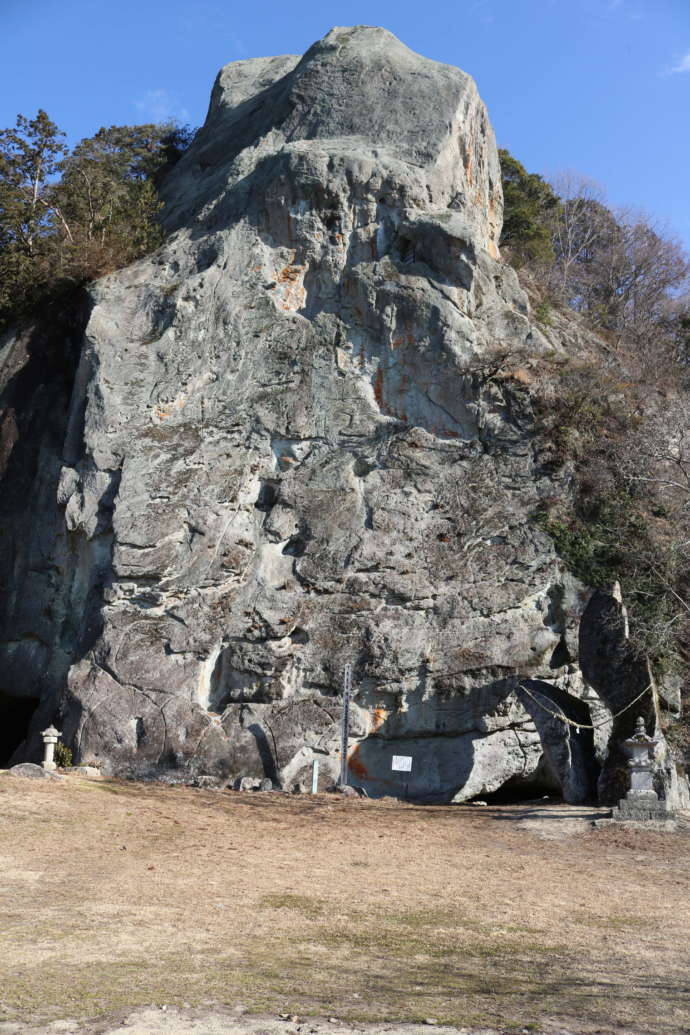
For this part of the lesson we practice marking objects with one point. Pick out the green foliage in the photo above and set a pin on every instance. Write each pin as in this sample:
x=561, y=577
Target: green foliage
x=30, y=155
x=63, y=755
x=594, y=546
x=528, y=204
x=543, y=311
x=606, y=538
x=67, y=217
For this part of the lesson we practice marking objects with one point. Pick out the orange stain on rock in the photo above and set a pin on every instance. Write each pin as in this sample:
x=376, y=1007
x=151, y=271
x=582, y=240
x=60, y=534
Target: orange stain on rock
x=469, y=172
x=403, y=339
x=356, y=765
x=378, y=386
x=378, y=718
x=293, y=293
x=289, y=273
x=163, y=412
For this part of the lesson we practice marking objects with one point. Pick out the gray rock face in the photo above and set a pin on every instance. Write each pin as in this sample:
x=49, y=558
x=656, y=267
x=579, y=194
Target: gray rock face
x=41, y=595
x=292, y=444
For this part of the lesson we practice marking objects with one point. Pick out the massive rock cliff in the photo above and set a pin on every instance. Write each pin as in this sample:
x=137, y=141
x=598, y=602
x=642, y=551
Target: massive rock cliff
x=293, y=442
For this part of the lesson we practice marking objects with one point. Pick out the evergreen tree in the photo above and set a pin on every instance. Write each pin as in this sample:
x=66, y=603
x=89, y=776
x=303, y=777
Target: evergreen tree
x=66, y=217
x=529, y=204
x=30, y=155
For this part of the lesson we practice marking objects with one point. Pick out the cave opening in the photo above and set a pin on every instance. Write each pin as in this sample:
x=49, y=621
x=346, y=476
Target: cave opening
x=15, y=715
x=541, y=785
x=522, y=793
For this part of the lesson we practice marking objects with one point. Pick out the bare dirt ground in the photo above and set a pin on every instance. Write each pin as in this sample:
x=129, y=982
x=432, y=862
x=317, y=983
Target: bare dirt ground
x=231, y=909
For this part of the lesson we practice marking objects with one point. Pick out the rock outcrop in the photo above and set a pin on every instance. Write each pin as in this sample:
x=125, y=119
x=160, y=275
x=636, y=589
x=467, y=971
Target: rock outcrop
x=294, y=441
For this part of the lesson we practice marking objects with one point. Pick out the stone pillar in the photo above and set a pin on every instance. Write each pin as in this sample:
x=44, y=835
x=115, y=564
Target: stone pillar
x=50, y=739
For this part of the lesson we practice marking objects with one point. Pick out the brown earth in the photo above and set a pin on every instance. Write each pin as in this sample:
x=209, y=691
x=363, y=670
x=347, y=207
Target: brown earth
x=117, y=896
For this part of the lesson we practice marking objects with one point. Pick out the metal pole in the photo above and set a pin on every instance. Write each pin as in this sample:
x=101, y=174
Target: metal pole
x=315, y=776
x=345, y=731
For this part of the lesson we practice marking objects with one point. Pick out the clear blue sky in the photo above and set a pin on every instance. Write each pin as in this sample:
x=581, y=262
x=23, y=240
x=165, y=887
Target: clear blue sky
x=597, y=86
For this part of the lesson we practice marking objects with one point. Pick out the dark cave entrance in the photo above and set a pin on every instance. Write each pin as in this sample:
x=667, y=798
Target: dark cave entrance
x=568, y=768
x=15, y=715
x=522, y=793
x=542, y=784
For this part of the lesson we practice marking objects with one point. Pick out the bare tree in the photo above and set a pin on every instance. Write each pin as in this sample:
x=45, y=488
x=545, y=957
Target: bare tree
x=619, y=267
x=577, y=227
x=646, y=268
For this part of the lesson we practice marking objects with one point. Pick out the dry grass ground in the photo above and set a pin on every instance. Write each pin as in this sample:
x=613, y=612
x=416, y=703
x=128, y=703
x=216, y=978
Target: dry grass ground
x=116, y=895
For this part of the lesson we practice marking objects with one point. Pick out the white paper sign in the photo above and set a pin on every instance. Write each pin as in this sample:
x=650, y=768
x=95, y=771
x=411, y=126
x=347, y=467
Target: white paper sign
x=402, y=764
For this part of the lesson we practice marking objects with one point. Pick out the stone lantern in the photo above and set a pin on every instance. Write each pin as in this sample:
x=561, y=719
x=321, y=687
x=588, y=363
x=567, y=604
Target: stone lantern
x=641, y=802
x=640, y=749
x=50, y=739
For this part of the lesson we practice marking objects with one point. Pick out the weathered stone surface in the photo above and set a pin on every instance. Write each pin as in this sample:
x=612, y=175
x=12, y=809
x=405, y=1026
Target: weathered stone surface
x=30, y=771
x=294, y=441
